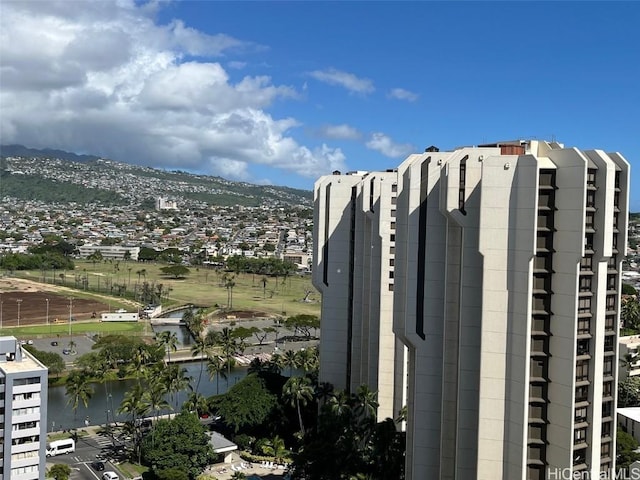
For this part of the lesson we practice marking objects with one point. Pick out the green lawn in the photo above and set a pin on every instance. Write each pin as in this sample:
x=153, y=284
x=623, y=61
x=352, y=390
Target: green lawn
x=202, y=287
x=79, y=327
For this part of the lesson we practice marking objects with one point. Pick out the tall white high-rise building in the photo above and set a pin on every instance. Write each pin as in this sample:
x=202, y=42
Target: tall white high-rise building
x=506, y=289
x=355, y=275
x=23, y=413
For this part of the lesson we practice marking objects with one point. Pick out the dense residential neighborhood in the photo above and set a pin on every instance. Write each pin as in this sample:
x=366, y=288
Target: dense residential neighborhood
x=157, y=213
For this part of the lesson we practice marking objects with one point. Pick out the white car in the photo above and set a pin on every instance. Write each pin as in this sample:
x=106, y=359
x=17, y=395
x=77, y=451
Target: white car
x=110, y=476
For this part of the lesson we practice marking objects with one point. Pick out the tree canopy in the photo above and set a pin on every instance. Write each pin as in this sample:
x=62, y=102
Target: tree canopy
x=626, y=447
x=628, y=289
x=176, y=271
x=247, y=404
x=53, y=361
x=629, y=392
x=180, y=443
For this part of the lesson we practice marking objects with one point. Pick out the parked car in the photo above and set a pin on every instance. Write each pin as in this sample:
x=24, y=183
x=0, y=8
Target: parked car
x=110, y=476
x=97, y=466
x=29, y=342
x=66, y=351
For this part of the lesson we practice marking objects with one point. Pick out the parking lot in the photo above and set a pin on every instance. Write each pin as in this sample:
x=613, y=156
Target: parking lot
x=82, y=343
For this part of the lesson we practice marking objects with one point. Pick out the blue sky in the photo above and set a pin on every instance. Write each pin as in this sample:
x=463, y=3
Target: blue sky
x=282, y=92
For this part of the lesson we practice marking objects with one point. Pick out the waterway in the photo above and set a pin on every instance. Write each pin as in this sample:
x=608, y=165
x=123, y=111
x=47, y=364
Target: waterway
x=107, y=396
x=104, y=404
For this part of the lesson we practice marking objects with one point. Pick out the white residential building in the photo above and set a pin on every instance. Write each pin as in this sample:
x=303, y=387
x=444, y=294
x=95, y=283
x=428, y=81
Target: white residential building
x=166, y=204
x=506, y=293
x=23, y=413
x=114, y=252
x=355, y=233
x=629, y=355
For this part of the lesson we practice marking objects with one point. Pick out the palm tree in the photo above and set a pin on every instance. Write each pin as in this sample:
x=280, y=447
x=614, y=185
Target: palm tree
x=229, y=346
x=101, y=369
x=154, y=396
x=175, y=380
x=187, y=317
x=78, y=389
x=339, y=404
x=308, y=359
x=169, y=340
x=366, y=402
x=299, y=392
x=133, y=404
x=275, y=448
x=216, y=369
x=290, y=359
x=323, y=392
x=628, y=360
x=199, y=348
x=140, y=360
x=194, y=321
x=278, y=360
x=264, y=287
x=196, y=403
x=229, y=283
x=402, y=415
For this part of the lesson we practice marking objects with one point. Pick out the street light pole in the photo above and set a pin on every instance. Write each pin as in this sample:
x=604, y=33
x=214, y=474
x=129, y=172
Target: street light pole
x=47, y=300
x=1, y=302
x=19, y=301
x=70, y=313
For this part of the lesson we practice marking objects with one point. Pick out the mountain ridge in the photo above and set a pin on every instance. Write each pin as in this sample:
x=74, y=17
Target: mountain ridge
x=36, y=174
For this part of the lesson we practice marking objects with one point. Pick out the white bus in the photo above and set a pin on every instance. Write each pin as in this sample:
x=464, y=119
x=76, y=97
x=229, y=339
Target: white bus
x=59, y=447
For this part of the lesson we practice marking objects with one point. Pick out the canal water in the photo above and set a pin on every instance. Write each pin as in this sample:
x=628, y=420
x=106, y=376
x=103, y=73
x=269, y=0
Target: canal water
x=103, y=403
x=106, y=397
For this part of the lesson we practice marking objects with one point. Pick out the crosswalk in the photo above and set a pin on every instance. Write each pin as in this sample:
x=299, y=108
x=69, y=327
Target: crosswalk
x=102, y=441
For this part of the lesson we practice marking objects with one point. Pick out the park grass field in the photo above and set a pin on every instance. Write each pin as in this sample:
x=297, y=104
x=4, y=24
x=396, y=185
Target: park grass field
x=203, y=287
x=121, y=328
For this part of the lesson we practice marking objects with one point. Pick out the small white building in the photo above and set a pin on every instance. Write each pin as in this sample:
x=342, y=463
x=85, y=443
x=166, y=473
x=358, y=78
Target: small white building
x=629, y=353
x=119, y=317
x=166, y=204
x=115, y=252
x=629, y=421
x=222, y=445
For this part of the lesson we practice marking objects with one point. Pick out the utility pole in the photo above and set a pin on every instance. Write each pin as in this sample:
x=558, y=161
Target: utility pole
x=19, y=301
x=70, y=313
x=47, y=300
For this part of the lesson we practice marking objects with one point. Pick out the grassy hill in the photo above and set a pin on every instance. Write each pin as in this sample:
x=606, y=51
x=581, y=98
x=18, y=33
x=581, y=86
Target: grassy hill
x=54, y=176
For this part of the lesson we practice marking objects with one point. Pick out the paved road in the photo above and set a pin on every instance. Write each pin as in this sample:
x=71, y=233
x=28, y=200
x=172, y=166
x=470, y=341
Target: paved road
x=88, y=449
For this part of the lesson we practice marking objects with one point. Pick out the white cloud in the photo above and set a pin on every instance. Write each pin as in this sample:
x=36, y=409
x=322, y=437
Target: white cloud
x=402, y=94
x=103, y=78
x=344, y=79
x=196, y=43
x=385, y=145
x=236, y=65
x=340, y=132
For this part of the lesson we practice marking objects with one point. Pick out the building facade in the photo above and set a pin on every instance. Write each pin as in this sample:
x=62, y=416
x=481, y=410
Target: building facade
x=113, y=252
x=629, y=355
x=506, y=294
x=354, y=272
x=23, y=413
